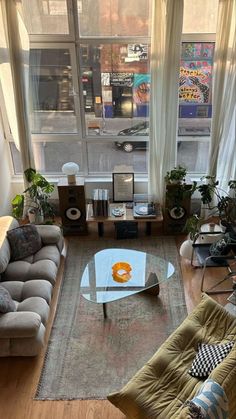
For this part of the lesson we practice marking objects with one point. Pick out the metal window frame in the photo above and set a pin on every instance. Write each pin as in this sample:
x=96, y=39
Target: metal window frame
x=59, y=37
x=73, y=41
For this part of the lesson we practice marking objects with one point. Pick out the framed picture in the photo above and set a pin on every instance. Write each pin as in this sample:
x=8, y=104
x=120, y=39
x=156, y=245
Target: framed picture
x=123, y=187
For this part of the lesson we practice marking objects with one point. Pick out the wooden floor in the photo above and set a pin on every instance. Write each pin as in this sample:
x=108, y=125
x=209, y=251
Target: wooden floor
x=19, y=376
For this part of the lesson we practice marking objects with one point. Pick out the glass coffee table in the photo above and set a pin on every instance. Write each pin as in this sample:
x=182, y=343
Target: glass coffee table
x=113, y=274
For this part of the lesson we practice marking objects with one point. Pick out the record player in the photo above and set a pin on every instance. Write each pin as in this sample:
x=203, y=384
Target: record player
x=144, y=210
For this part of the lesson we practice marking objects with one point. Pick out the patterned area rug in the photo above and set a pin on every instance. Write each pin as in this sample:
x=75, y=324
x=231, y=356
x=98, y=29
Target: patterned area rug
x=89, y=357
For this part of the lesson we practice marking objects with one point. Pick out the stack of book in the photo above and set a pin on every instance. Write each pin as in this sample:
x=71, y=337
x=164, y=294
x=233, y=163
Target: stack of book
x=100, y=202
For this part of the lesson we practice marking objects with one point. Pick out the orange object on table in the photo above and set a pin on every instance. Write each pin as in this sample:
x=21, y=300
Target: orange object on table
x=121, y=271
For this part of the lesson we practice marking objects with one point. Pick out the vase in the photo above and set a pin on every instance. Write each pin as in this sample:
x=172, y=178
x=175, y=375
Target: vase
x=186, y=249
x=39, y=219
x=31, y=216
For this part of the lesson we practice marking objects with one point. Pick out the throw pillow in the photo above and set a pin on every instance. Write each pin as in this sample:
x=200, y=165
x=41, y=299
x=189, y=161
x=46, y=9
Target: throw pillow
x=221, y=247
x=209, y=402
x=24, y=241
x=208, y=357
x=6, y=302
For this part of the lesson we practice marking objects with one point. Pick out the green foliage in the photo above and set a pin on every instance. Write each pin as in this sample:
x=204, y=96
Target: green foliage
x=176, y=189
x=176, y=175
x=218, y=200
x=192, y=225
x=35, y=196
x=18, y=206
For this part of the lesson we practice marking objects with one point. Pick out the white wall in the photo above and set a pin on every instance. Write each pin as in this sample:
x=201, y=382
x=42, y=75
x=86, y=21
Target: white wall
x=5, y=175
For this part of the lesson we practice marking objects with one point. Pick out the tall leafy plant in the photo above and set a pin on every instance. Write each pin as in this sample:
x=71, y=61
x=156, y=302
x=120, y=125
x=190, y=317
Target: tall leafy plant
x=177, y=191
x=218, y=201
x=35, y=197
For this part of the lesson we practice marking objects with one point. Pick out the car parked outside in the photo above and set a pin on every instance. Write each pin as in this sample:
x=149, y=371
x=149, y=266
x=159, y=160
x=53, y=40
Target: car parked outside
x=140, y=129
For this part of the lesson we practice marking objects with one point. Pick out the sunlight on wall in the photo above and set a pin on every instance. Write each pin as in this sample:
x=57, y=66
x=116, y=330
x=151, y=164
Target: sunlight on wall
x=5, y=176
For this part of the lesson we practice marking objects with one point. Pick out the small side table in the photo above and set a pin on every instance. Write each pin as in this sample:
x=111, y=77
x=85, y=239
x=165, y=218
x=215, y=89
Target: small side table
x=213, y=236
x=127, y=220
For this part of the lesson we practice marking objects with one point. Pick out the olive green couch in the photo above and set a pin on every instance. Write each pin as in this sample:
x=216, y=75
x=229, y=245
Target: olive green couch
x=163, y=385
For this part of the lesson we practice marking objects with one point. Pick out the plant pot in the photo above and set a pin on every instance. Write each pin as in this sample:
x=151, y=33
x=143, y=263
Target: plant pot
x=186, y=249
x=39, y=219
x=176, y=182
x=31, y=216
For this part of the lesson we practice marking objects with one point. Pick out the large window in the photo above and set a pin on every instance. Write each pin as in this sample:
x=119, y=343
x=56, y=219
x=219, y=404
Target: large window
x=90, y=84
x=51, y=90
x=116, y=86
x=195, y=107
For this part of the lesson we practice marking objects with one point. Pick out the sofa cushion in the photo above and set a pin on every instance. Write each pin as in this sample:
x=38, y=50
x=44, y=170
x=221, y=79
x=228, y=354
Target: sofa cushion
x=50, y=252
x=6, y=302
x=19, y=290
x=209, y=402
x=208, y=357
x=5, y=254
x=18, y=325
x=21, y=270
x=35, y=305
x=24, y=241
x=49, y=234
x=6, y=223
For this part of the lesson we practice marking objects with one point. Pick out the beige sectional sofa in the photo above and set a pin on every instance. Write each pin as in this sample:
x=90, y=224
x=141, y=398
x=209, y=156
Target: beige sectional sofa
x=29, y=282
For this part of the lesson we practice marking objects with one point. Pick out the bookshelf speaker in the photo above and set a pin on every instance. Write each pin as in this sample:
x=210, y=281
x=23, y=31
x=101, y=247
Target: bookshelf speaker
x=72, y=206
x=177, y=210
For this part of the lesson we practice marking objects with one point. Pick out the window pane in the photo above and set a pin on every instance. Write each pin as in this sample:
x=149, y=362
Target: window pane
x=45, y=16
x=200, y=16
x=193, y=155
x=16, y=160
x=50, y=156
x=102, y=158
x=52, y=100
x=196, y=80
x=116, y=88
x=114, y=17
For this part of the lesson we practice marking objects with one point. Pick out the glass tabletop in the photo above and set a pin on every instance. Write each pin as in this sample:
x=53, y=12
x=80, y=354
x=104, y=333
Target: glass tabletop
x=105, y=280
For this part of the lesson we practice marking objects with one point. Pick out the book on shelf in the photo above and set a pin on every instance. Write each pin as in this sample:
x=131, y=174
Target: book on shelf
x=100, y=200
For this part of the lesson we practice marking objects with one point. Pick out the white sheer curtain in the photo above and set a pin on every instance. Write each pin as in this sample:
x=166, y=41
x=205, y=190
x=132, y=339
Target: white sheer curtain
x=165, y=61
x=223, y=141
x=14, y=76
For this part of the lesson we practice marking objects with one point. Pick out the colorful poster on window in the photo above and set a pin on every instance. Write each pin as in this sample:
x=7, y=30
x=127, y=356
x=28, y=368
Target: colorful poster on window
x=191, y=50
x=196, y=73
x=141, y=88
x=199, y=50
x=195, y=82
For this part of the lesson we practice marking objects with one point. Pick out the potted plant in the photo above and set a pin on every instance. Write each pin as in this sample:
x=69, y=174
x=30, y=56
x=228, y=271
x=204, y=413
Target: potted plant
x=176, y=175
x=192, y=225
x=178, y=191
x=34, y=199
x=218, y=201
